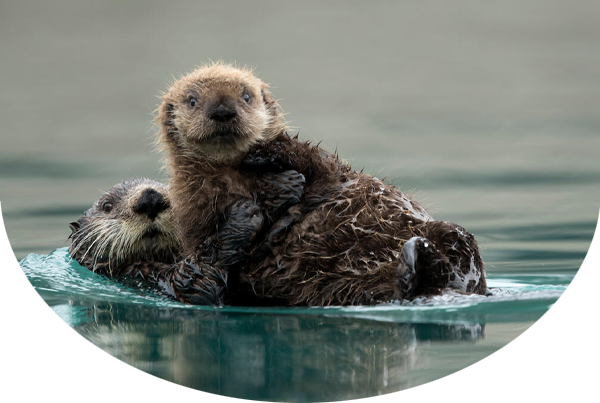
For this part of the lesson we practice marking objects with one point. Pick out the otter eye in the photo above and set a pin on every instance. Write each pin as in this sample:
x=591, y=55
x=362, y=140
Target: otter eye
x=246, y=98
x=192, y=102
x=107, y=207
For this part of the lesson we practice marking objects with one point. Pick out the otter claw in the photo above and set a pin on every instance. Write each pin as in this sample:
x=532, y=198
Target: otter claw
x=195, y=269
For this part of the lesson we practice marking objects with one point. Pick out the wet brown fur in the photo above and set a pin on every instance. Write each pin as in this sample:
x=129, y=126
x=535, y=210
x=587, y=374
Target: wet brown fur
x=346, y=242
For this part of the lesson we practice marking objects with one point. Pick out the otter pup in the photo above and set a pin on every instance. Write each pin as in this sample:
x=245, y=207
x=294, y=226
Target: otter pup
x=323, y=234
x=208, y=121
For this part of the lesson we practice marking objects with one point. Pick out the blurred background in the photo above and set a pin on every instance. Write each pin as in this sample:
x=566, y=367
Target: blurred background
x=488, y=111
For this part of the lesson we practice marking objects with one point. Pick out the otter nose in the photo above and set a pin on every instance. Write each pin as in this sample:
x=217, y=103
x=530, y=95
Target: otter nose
x=222, y=113
x=151, y=203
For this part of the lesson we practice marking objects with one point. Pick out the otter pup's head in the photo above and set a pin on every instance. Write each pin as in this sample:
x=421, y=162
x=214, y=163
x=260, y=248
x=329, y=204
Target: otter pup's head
x=217, y=111
x=131, y=222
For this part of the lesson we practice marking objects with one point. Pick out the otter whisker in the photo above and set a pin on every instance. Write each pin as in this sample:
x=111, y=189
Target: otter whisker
x=101, y=249
x=80, y=242
x=93, y=234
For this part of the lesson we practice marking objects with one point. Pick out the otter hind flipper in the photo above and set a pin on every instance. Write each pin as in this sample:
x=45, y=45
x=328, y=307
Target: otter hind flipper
x=408, y=278
x=446, y=258
x=424, y=270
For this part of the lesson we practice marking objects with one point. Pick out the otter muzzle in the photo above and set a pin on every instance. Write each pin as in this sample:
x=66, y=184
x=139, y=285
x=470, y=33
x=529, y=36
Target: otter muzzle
x=151, y=203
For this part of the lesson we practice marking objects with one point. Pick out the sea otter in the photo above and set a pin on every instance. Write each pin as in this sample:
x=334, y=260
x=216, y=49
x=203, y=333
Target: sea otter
x=340, y=237
x=131, y=222
x=129, y=233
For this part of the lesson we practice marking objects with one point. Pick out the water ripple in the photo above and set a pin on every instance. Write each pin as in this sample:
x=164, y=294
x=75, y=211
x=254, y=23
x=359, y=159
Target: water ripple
x=513, y=297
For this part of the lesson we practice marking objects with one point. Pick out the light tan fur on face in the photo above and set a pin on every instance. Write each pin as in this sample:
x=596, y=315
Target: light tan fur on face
x=188, y=130
x=201, y=162
x=108, y=240
x=134, y=226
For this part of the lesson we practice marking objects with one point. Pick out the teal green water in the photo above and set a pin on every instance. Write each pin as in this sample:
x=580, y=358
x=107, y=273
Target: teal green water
x=300, y=354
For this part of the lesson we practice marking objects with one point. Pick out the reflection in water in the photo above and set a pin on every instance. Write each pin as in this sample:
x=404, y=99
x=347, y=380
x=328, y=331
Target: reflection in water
x=300, y=354
x=268, y=356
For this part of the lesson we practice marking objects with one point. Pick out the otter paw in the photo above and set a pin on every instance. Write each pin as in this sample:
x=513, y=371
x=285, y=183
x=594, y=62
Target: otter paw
x=240, y=226
x=270, y=156
x=242, y=222
x=244, y=209
x=196, y=283
x=278, y=191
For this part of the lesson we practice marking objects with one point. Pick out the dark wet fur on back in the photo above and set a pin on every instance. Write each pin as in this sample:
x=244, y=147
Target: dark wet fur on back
x=335, y=236
x=345, y=243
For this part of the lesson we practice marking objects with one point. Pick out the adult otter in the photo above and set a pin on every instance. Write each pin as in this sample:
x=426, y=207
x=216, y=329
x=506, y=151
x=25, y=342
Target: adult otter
x=131, y=222
x=129, y=234
x=340, y=237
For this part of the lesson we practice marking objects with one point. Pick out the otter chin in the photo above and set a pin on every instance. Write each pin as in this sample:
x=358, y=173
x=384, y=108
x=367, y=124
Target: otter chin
x=131, y=222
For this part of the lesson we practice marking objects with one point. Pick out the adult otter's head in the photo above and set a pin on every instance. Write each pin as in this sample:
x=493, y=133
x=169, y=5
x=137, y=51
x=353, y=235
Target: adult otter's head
x=217, y=111
x=131, y=222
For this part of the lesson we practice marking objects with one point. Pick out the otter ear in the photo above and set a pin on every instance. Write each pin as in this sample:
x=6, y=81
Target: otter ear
x=166, y=119
x=270, y=103
x=268, y=99
x=75, y=226
x=278, y=123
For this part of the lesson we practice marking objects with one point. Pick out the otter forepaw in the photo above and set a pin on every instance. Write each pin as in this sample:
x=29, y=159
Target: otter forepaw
x=269, y=156
x=243, y=211
x=279, y=191
x=197, y=283
x=240, y=224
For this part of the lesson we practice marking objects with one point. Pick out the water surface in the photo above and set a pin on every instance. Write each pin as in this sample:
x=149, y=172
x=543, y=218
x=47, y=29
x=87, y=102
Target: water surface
x=292, y=354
